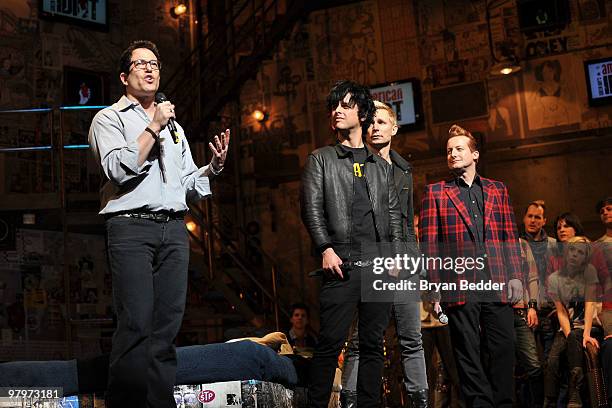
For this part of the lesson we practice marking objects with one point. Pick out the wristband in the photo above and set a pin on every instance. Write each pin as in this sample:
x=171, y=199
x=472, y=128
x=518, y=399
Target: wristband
x=532, y=304
x=155, y=135
x=215, y=172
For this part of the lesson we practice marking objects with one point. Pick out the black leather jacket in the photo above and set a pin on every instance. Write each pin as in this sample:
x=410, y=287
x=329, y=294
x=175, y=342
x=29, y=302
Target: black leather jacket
x=327, y=198
x=403, y=184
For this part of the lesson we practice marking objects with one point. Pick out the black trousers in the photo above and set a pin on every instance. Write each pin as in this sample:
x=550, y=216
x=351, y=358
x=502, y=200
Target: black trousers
x=439, y=338
x=606, y=363
x=148, y=261
x=569, y=347
x=339, y=301
x=482, y=336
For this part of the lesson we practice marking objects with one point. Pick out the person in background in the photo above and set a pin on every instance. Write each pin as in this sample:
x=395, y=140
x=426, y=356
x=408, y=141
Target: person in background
x=604, y=209
x=573, y=288
x=298, y=336
x=539, y=250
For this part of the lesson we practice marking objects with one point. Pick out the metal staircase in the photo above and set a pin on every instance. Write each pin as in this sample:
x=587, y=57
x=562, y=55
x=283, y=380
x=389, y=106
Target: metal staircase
x=214, y=72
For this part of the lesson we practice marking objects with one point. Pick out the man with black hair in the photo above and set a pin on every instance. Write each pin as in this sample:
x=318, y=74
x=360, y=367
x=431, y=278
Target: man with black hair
x=348, y=201
x=604, y=209
x=298, y=335
x=147, y=178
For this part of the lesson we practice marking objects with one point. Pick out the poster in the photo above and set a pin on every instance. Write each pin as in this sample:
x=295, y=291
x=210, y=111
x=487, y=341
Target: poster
x=550, y=93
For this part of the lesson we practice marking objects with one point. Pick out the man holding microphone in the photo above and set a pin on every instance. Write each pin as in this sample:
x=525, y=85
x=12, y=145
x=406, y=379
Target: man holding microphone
x=148, y=175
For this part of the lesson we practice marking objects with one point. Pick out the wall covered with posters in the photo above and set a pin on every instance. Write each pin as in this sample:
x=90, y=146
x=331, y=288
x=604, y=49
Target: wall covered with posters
x=445, y=45
x=51, y=63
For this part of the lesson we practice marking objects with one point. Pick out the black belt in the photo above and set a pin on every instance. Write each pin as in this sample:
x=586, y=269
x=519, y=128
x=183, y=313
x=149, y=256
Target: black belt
x=157, y=216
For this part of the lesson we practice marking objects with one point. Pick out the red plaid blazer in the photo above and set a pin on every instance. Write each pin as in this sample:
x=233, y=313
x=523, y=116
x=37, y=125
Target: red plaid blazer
x=445, y=221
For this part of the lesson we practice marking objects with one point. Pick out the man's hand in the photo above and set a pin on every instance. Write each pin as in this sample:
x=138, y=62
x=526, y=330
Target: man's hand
x=588, y=339
x=532, y=317
x=219, y=150
x=332, y=262
x=437, y=307
x=515, y=290
x=163, y=112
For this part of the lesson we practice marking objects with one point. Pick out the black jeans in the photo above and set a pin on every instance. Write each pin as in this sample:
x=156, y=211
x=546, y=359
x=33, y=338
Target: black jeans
x=439, y=338
x=148, y=261
x=482, y=336
x=569, y=347
x=606, y=364
x=339, y=301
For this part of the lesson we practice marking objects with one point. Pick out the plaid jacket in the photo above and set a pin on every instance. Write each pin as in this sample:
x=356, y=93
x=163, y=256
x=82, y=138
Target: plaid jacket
x=445, y=221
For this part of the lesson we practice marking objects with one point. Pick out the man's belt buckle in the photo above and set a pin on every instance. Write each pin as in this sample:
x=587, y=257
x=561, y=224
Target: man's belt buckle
x=158, y=217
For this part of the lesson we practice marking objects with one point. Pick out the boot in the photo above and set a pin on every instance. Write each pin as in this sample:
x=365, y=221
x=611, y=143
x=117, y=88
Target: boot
x=575, y=384
x=550, y=403
x=348, y=399
x=419, y=399
x=536, y=390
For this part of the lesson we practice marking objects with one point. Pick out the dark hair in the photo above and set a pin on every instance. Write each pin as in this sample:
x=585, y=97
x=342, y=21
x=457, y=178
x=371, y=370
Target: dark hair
x=602, y=203
x=552, y=64
x=538, y=204
x=302, y=306
x=126, y=56
x=571, y=220
x=360, y=96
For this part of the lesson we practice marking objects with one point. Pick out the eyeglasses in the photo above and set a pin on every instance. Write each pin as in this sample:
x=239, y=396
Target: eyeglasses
x=141, y=64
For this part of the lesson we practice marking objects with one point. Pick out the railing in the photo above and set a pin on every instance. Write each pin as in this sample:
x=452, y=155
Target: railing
x=271, y=294
x=57, y=148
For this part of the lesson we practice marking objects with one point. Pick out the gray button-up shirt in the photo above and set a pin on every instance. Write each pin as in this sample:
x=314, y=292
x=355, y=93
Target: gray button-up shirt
x=113, y=139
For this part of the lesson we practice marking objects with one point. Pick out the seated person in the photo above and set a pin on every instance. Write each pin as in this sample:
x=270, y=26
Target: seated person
x=298, y=336
x=573, y=288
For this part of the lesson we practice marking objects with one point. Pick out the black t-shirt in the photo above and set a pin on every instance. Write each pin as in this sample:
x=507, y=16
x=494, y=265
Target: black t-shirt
x=362, y=216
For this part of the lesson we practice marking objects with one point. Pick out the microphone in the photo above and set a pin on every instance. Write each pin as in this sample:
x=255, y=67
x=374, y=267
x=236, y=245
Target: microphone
x=442, y=318
x=159, y=98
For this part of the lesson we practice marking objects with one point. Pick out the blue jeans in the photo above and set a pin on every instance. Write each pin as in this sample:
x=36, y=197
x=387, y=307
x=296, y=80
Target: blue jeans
x=148, y=261
x=408, y=327
x=527, y=356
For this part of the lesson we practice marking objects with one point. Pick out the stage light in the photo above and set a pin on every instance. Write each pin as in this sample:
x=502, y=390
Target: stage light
x=178, y=10
x=259, y=115
x=191, y=226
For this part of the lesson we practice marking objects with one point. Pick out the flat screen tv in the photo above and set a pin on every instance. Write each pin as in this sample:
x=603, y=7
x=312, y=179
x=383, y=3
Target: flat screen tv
x=599, y=81
x=405, y=98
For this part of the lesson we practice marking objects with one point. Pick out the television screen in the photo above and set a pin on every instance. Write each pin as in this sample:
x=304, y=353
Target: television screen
x=599, y=81
x=540, y=15
x=405, y=98
x=90, y=13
